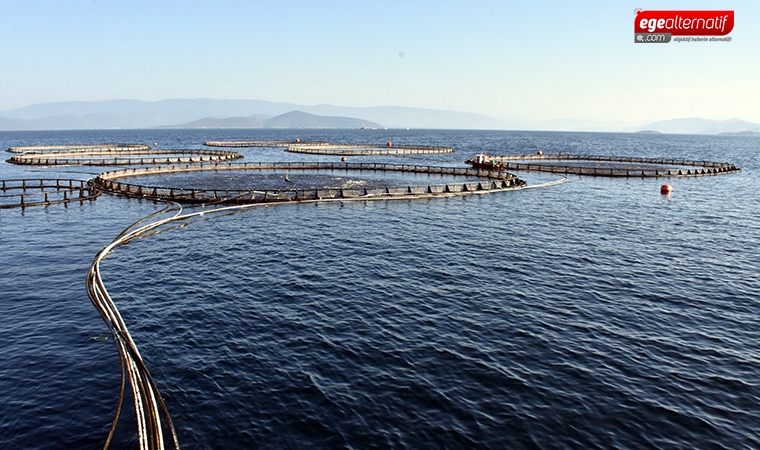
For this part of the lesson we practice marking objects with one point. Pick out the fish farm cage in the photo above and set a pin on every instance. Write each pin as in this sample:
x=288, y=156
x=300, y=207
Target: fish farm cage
x=115, y=156
x=260, y=143
x=23, y=193
x=603, y=166
x=366, y=150
x=476, y=181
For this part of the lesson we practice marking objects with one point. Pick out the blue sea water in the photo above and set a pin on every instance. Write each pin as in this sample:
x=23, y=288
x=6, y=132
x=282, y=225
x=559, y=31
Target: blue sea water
x=593, y=314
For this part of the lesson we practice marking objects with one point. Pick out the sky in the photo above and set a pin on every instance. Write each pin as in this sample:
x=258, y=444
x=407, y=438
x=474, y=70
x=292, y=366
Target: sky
x=524, y=61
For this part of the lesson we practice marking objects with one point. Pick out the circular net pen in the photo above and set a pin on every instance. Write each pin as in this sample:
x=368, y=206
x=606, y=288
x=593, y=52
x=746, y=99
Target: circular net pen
x=72, y=147
x=245, y=183
x=259, y=143
x=42, y=192
x=366, y=150
x=602, y=166
x=115, y=157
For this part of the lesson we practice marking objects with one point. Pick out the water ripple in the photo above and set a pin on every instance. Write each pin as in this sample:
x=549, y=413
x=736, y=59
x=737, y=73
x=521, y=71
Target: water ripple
x=597, y=314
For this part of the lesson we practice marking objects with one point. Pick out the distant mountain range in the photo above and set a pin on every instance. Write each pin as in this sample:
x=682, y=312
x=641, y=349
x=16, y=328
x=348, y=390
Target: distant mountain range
x=111, y=114
x=696, y=125
x=213, y=113
x=293, y=119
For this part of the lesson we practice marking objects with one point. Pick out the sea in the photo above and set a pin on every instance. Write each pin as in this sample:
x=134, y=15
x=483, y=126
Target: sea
x=593, y=314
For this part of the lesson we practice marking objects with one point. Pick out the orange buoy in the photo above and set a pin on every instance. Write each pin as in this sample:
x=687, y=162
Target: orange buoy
x=343, y=159
x=666, y=189
x=155, y=144
x=298, y=139
x=390, y=144
x=540, y=152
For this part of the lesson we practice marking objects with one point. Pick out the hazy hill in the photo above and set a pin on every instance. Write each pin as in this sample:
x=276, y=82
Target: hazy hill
x=695, y=125
x=228, y=122
x=141, y=114
x=300, y=119
x=212, y=113
x=293, y=119
x=740, y=133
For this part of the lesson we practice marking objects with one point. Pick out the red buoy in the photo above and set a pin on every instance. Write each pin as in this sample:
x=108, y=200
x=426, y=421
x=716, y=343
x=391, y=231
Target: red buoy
x=390, y=144
x=298, y=139
x=666, y=189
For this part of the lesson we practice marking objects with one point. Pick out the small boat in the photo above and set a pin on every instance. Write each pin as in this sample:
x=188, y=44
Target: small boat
x=482, y=161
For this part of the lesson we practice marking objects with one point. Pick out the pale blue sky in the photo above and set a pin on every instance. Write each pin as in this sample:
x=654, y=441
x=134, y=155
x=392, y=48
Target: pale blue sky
x=537, y=60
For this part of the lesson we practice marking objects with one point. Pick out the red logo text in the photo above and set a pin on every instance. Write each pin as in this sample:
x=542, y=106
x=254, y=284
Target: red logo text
x=685, y=23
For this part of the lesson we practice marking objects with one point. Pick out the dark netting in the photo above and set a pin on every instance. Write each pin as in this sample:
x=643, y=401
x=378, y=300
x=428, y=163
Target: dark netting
x=365, y=149
x=300, y=181
x=114, y=156
x=601, y=166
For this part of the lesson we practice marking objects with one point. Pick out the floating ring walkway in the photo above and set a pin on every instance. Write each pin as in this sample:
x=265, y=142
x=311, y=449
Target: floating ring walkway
x=259, y=143
x=604, y=166
x=366, y=150
x=492, y=181
x=105, y=147
x=115, y=157
x=326, y=148
x=43, y=192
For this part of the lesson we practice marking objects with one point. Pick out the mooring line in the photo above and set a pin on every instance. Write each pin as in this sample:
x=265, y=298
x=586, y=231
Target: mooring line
x=149, y=406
